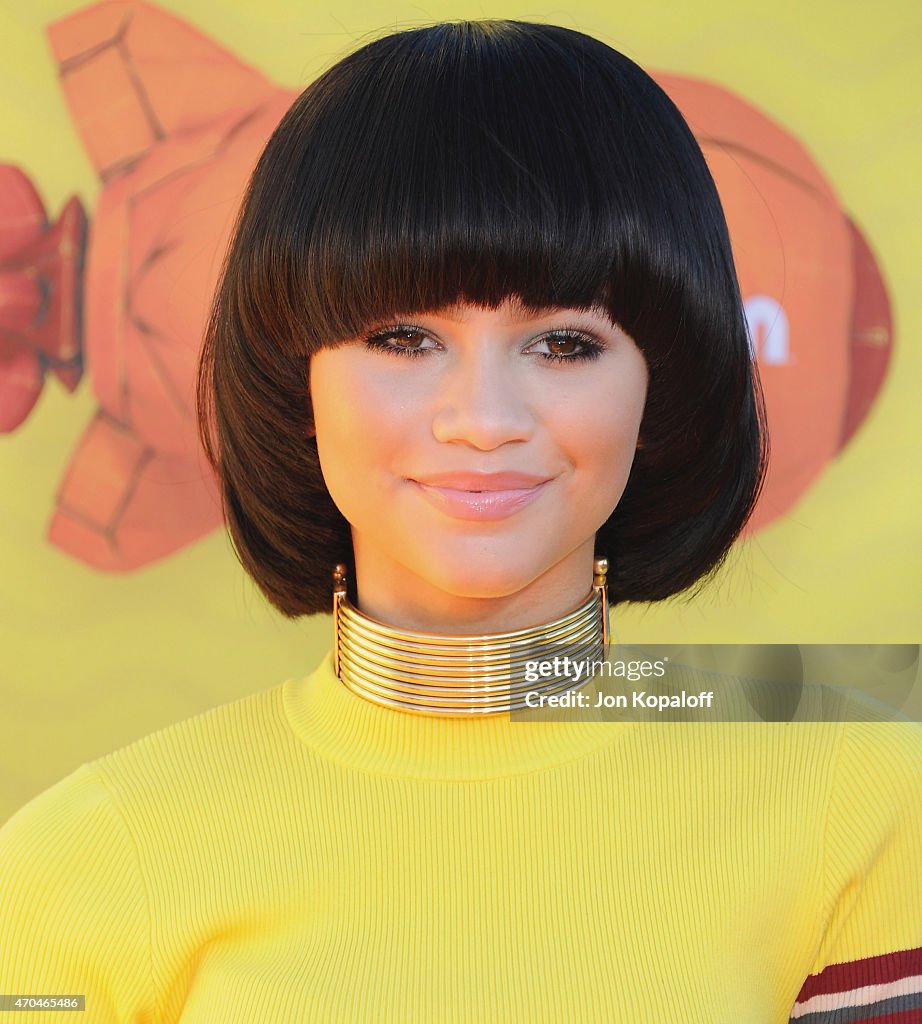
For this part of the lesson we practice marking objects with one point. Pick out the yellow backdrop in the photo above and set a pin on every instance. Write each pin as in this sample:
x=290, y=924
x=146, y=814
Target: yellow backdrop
x=91, y=660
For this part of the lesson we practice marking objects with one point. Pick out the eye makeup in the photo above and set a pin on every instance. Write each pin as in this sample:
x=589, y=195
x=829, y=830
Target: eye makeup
x=588, y=348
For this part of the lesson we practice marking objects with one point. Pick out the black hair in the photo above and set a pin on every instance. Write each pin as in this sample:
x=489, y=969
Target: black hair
x=476, y=161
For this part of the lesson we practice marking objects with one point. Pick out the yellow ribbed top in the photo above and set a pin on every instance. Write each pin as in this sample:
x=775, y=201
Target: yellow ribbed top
x=305, y=855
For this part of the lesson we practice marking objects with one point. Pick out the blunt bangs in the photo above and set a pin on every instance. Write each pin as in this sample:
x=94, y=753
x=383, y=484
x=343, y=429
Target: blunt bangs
x=474, y=162
x=478, y=162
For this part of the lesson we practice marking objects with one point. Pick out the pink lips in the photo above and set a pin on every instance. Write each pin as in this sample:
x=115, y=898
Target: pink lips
x=481, y=496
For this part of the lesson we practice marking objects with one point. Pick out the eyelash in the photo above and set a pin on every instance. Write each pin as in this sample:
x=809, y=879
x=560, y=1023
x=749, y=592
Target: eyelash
x=590, y=349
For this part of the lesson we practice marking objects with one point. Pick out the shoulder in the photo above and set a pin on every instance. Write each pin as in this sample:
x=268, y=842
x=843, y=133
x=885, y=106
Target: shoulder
x=77, y=803
x=75, y=904
x=206, y=751
x=837, y=755
x=219, y=755
x=878, y=785
x=63, y=837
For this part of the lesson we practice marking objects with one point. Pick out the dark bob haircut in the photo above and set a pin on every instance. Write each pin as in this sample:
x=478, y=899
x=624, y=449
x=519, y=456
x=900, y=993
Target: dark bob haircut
x=479, y=161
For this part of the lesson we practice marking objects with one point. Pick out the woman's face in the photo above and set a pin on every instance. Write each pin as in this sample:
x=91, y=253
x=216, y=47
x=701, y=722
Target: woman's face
x=473, y=466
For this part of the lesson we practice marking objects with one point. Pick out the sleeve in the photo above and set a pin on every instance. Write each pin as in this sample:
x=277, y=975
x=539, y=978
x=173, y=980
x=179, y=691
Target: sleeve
x=74, y=914
x=869, y=964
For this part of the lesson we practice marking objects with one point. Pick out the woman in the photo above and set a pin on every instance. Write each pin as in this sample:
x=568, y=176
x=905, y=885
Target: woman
x=477, y=366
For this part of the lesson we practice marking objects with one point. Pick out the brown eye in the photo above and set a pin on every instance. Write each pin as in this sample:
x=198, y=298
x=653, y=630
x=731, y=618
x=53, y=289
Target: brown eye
x=406, y=338
x=566, y=346
x=563, y=346
x=401, y=341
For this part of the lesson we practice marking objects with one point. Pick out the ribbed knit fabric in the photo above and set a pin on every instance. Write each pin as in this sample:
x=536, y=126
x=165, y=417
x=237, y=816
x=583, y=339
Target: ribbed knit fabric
x=304, y=855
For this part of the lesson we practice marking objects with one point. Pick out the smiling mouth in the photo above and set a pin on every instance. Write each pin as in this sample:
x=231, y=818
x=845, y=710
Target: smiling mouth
x=482, y=505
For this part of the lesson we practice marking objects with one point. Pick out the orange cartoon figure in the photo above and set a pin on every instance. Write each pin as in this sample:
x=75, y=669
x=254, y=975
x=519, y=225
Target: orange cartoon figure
x=172, y=123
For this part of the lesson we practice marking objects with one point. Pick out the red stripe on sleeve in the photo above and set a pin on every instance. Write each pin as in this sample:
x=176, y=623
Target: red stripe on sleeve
x=872, y=970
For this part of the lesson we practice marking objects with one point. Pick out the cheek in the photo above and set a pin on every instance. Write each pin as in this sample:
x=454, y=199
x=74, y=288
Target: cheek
x=604, y=431
x=360, y=425
x=355, y=400
x=341, y=412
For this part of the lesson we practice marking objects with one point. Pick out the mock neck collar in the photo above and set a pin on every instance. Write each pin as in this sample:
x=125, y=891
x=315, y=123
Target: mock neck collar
x=348, y=728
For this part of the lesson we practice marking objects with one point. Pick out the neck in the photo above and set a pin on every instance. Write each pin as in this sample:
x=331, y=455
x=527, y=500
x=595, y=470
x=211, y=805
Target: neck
x=389, y=592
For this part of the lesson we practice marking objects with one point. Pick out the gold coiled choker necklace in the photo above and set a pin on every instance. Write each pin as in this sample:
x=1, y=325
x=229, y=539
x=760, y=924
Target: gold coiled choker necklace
x=422, y=673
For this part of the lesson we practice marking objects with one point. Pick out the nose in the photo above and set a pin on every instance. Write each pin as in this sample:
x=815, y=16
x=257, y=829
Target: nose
x=482, y=402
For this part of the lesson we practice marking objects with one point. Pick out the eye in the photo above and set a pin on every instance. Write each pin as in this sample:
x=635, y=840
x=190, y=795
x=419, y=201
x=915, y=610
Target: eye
x=564, y=345
x=569, y=346
x=401, y=340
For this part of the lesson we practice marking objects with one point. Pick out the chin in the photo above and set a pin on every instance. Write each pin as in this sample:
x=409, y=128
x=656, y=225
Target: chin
x=473, y=580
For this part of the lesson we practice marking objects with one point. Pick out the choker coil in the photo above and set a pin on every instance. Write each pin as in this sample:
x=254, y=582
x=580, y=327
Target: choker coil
x=421, y=672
